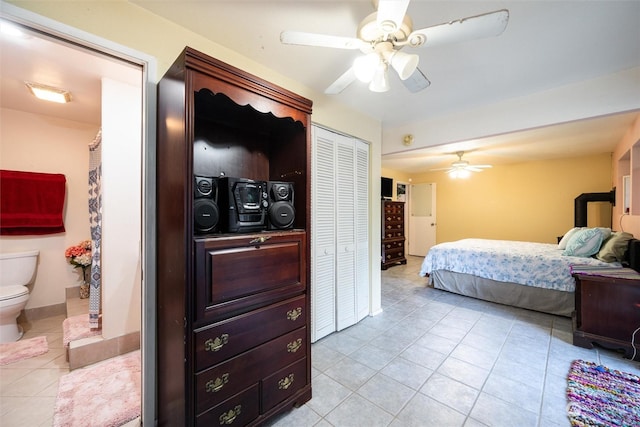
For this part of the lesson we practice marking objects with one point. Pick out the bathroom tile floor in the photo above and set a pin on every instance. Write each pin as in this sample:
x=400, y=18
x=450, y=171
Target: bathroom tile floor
x=28, y=388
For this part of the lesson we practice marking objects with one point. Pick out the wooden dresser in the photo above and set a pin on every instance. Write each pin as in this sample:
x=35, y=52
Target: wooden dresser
x=233, y=308
x=393, y=238
x=607, y=311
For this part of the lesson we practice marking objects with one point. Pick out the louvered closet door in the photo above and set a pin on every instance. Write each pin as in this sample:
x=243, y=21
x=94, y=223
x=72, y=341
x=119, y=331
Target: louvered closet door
x=346, y=232
x=362, y=229
x=340, y=231
x=323, y=271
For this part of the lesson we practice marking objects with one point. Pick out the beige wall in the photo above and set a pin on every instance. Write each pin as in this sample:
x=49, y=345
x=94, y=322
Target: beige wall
x=630, y=142
x=34, y=143
x=531, y=201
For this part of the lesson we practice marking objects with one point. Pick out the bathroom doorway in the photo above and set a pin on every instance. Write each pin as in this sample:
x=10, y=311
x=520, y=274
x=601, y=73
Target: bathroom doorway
x=87, y=51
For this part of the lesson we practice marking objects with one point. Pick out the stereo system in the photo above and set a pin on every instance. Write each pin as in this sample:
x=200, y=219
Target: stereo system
x=239, y=205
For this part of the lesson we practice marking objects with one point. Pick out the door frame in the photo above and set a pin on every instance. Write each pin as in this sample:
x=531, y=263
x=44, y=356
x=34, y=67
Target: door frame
x=148, y=64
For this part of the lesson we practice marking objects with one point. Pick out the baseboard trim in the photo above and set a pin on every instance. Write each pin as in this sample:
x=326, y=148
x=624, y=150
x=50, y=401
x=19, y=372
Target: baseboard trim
x=37, y=313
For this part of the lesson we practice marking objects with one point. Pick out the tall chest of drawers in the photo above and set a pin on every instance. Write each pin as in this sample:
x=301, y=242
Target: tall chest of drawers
x=233, y=338
x=393, y=237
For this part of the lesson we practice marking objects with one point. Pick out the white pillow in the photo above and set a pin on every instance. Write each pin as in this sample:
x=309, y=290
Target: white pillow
x=584, y=243
x=567, y=236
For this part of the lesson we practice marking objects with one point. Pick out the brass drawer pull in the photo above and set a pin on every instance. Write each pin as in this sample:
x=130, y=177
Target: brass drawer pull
x=259, y=240
x=294, y=314
x=217, y=343
x=294, y=346
x=286, y=382
x=214, y=386
x=229, y=417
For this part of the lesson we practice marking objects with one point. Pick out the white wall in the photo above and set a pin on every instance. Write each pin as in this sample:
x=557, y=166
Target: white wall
x=34, y=143
x=121, y=212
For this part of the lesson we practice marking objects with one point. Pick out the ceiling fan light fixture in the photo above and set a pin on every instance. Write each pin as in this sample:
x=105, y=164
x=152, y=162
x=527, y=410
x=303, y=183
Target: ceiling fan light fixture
x=459, y=173
x=380, y=82
x=365, y=66
x=404, y=63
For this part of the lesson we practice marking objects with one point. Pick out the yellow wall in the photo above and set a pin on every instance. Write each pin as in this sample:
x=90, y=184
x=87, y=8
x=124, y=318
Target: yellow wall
x=531, y=201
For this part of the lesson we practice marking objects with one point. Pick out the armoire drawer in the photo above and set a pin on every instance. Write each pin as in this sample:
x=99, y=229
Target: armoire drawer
x=283, y=384
x=238, y=410
x=222, y=340
x=226, y=379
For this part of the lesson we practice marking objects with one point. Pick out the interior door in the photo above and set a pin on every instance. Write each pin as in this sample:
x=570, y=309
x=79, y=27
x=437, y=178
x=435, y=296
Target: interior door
x=422, y=218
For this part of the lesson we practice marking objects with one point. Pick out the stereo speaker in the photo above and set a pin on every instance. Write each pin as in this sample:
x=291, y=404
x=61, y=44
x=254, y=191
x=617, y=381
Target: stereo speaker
x=281, y=214
x=205, y=205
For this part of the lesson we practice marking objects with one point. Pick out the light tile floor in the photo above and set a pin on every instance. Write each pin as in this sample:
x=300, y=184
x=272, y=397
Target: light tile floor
x=433, y=358
x=430, y=359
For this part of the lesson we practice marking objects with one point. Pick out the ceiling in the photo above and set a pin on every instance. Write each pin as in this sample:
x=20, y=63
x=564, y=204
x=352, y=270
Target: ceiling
x=35, y=57
x=547, y=45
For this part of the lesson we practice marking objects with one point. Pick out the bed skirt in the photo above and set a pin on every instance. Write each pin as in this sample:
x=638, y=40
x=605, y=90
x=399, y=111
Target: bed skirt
x=539, y=299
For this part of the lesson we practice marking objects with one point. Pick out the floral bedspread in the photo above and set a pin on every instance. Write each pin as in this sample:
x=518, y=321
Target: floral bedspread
x=527, y=263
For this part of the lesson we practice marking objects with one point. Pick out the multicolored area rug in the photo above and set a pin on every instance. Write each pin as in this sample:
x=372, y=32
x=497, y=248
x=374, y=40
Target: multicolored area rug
x=602, y=397
x=106, y=394
x=24, y=349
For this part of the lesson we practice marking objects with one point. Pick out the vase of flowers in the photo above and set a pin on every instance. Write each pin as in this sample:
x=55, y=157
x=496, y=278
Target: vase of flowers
x=80, y=257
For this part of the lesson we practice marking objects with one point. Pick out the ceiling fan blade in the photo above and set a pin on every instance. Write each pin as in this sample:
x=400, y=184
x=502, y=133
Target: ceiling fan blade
x=391, y=14
x=416, y=81
x=321, y=40
x=474, y=27
x=441, y=169
x=342, y=82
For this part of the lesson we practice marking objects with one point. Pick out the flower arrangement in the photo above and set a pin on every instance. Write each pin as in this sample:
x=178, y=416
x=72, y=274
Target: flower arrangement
x=79, y=255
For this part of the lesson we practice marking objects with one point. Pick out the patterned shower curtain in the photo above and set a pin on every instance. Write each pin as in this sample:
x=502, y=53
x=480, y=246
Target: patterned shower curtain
x=95, y=222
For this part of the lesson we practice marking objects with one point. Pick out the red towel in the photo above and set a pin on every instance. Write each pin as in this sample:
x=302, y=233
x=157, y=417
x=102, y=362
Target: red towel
x=31, y=203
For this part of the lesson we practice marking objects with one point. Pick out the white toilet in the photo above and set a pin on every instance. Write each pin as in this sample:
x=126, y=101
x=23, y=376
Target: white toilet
x=16, y=271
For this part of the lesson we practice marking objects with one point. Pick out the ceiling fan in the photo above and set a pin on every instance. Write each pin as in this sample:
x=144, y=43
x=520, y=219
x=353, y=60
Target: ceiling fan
x=382, y=35
x=462, y=168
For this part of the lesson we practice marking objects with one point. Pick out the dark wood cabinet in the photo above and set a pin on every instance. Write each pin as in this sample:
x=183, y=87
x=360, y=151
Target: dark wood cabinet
x=233, y=336
x=607, y=312
x=393, y=238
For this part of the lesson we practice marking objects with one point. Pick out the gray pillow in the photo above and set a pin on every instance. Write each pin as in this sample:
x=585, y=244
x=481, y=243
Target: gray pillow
x=614, y=247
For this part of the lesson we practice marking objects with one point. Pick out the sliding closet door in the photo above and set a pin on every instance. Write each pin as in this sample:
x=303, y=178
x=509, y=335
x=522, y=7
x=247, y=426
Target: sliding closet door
x=323, y=230
x=339, y=236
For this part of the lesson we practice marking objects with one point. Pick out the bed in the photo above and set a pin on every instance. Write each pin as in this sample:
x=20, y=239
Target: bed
x=535, y=276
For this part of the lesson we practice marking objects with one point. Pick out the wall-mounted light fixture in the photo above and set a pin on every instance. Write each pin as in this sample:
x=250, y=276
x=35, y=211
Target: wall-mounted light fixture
x=49, y=93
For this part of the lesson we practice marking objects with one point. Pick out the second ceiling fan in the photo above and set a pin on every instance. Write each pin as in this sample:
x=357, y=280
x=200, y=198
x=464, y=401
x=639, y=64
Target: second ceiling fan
x=382, y=35
x=462, y=168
